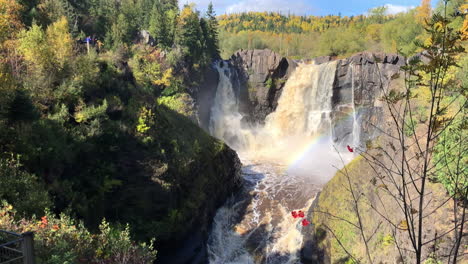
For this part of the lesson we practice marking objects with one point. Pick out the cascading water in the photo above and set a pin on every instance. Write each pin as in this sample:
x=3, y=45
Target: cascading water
x=304, y=107
x=285, y=162
x=356, y=129
x=225, y=122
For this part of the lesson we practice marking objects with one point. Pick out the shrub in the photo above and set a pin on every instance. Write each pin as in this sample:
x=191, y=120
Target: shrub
x=20, y=188
x=180, y=103
x=451, y=157
x=64, y=240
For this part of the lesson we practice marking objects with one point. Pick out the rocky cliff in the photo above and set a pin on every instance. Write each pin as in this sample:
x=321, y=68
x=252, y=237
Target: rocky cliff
x=261, y=77
x=359, y=83
x=258, y=77
x=178, y=197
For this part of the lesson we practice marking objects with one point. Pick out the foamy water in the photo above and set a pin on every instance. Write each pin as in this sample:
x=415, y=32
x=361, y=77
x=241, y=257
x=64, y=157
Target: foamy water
x=285, y=163
x=257, y=226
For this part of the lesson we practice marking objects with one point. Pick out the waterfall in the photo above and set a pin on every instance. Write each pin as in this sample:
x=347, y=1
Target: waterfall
x=303, y=111
x=305, y=104
x=284, y=164
x=356, y=135
x=225, y=119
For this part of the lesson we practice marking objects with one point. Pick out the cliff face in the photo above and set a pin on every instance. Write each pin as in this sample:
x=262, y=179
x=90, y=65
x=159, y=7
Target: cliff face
x=203, y=189
x=383, y=222
x=261, y=77
x=359, y=83
x=206, y=94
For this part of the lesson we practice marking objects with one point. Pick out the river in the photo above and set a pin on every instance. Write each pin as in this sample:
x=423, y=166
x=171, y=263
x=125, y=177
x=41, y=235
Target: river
x=285, y=164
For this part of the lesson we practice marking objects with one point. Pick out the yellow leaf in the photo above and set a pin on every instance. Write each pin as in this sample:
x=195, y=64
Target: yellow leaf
x=403, y=225
x=383, y=186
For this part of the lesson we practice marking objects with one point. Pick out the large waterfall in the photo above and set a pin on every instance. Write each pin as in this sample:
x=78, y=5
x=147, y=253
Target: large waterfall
x=285, y=162
x=304, y=107
x=225, y=122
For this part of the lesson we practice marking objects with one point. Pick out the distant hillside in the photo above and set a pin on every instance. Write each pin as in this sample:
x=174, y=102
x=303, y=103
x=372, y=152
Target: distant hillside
x=312, y=36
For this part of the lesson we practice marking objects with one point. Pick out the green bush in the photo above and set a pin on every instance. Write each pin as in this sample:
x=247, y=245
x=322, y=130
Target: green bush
x=410, y=125
x=64, y=240
x=20, y=188
x=451, y=157
x=180, y=103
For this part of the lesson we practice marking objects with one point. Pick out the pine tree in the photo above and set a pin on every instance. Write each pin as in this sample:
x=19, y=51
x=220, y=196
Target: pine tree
x=158, y=25
x=212, y=32
x=189, y=33
x=170, y=4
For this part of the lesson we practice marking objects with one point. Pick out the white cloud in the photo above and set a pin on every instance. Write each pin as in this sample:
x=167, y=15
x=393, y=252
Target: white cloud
x=395, y=9
x=203, y=4
x=294, y=7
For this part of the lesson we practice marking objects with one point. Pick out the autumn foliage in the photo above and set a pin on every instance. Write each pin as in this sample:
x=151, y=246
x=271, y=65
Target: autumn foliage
x=64, y=240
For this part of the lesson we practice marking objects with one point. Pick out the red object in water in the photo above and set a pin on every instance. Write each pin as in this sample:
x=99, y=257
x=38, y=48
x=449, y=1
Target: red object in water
x=350, y=149
x=294, y=214
x=305, y=222
x=300, y=214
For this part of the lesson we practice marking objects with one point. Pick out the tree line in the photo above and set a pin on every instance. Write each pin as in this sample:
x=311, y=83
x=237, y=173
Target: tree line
x=334, y=35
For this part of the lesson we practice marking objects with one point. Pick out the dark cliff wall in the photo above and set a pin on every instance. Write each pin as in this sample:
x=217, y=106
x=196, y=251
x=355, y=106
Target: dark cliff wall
x=262, y=75
x=359, y=83
x=191, y=187
x=258, y=77
x=206, y=94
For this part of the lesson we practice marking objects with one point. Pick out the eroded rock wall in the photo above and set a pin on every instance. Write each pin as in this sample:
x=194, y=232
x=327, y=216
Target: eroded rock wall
x=359, y=84
x=262, y=75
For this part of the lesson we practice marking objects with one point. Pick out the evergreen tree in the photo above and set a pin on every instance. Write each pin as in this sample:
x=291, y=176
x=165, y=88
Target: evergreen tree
x=189, y=34
x=170, y=4
x=212, y=42
x=119, y=31
x=158, y=25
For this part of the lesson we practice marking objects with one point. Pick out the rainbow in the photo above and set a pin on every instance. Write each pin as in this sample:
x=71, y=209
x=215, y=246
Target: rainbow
x=315, y=144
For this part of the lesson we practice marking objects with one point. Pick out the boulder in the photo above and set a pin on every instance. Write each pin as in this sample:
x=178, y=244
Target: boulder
x=146, y=38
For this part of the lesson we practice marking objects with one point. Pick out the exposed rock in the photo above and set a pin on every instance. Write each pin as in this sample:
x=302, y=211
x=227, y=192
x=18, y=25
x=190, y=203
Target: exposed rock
x=359, y=83
x=261, y=74
x=206, y=95
x=146, y=38
x=322, y=59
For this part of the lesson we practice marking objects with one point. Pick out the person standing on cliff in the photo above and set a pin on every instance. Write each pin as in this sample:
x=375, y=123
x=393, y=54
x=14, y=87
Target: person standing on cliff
x=88, y=40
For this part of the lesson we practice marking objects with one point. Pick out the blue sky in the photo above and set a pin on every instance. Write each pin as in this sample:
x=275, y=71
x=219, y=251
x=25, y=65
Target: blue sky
x=308, y=7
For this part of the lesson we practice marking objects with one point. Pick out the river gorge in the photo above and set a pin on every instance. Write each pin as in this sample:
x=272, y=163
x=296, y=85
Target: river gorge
x=288, y=156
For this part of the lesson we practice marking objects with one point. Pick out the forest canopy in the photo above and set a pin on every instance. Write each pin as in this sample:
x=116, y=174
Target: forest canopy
x=334, y=35
x=94, y=108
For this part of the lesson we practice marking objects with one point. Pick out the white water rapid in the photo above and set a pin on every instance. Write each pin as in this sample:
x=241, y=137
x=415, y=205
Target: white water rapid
x=285, y=162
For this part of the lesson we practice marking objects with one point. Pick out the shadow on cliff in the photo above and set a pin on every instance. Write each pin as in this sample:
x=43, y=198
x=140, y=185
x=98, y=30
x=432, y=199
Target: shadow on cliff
x=165, y=184
x=193, y=249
